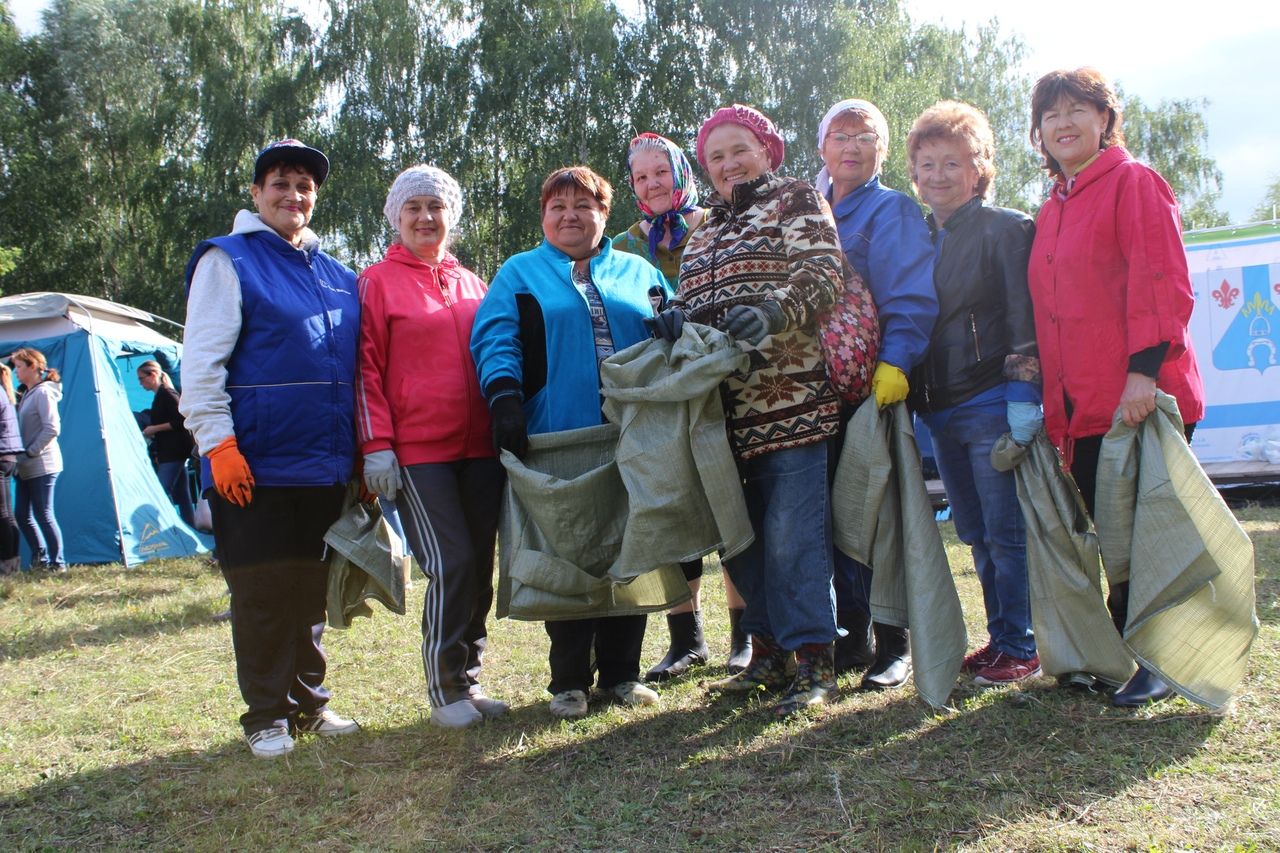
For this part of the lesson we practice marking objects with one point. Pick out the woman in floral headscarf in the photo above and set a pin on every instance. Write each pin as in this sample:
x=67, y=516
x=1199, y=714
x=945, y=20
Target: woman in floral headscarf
x=667, y=195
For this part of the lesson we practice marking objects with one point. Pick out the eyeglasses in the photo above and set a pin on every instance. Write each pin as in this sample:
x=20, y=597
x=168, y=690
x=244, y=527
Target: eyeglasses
x=865, y=140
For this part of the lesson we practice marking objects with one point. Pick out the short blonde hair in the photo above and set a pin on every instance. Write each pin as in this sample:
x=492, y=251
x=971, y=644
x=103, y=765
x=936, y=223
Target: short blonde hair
x=959, y=122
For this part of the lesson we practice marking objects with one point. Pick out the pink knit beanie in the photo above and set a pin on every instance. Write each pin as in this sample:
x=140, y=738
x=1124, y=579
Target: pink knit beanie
x=754, y=121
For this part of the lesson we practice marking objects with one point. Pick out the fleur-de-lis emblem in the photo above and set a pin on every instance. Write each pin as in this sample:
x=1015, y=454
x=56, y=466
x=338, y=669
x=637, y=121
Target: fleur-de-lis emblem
x=1226, y=295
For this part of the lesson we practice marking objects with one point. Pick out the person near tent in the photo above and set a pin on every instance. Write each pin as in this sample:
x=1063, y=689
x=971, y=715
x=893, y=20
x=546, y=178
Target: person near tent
x=10, y=448
x=763, y=266
x=1111, y=293
x=551, y=316
x=886, y=241
x=424, y=432
x=272, y=330
x=667, y=194
x=980, y=377
x=171, y=444
x=40, y=463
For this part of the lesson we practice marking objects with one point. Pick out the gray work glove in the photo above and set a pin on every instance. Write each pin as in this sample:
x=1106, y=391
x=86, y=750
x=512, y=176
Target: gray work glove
x=754, y=323
x=382, y=473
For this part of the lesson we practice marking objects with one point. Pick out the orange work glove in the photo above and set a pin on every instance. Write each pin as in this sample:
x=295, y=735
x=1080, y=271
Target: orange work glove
x=231, y=475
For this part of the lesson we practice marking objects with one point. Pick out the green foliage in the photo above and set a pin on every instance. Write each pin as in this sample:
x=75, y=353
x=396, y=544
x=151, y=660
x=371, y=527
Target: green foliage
x=128, y=127
x=1269, y=207
x=1173, y=139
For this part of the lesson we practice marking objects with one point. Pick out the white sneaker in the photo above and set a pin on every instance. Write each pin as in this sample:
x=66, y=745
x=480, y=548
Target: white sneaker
x=270, y=743
x=456, y=715
x=327, y=723
x=633, y=693
x=488, y=706
x=569, y=704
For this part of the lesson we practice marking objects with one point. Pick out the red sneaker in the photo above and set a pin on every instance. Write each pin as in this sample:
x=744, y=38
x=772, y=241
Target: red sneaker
x=1006, y=669
x=975, y=661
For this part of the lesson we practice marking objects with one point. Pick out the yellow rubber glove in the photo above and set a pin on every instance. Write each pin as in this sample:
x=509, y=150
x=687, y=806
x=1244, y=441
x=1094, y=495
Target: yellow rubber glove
x=231, y=475
x=889, y=384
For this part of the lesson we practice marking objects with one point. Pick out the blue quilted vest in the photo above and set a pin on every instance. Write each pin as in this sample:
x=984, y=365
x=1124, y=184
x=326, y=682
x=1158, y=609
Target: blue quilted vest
x=291, y=374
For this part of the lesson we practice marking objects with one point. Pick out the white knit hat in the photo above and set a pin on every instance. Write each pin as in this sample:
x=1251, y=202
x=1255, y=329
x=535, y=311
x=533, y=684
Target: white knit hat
x=423, y=180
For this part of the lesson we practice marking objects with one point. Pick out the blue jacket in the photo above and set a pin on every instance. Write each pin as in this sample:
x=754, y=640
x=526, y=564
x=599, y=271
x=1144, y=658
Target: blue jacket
x=291, y=375
x=533, y=331
x=884, y=236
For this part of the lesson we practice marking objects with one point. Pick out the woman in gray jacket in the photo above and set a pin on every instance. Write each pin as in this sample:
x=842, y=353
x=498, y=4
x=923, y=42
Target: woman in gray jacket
x=41, y=462
x=10, y=447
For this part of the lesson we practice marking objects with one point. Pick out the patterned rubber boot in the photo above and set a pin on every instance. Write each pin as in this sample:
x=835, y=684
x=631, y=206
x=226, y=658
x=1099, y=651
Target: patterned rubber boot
x=815, y=681
x=770, y=669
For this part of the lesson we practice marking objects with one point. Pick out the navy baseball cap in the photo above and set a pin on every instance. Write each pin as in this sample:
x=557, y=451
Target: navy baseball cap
x=293, y=151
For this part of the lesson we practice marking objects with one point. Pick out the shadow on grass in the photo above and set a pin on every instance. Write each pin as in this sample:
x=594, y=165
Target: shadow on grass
x=719, y=774
x=44, y=641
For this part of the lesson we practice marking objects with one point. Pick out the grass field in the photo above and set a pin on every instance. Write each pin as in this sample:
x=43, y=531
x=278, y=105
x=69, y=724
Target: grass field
x=118, y=705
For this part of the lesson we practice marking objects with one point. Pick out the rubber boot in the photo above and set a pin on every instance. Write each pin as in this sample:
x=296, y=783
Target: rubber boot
x=815, y=681
x=771, y=668
x=739, y=643
x=857, y=649
x=892, y=666
x=688, y=647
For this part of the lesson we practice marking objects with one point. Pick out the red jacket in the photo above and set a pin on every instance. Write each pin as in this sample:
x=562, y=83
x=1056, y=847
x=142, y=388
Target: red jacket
x=1108, y=278
x=417, y=392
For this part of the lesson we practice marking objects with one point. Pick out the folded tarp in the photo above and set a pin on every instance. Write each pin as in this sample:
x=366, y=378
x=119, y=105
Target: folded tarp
x=595, y=520
x=1074, y=631
x=883, y=517
x=1163, y=527
x=365, y=563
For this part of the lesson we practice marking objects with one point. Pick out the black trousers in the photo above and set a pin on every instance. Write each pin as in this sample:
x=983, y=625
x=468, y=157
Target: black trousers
x=271, y=554
x=1084, y=470
x=450, y=516
x=617, y=641
x=9, y=535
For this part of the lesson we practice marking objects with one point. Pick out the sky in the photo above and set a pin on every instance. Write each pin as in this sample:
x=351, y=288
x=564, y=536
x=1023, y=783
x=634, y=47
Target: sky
x=1223, y=52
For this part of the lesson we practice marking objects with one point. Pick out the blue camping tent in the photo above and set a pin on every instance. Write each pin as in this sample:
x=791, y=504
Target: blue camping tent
x=108, y=502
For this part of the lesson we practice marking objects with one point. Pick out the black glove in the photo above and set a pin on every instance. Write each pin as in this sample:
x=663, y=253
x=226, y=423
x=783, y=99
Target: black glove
x=509, y=432
x=667, y=324
x=753, y=323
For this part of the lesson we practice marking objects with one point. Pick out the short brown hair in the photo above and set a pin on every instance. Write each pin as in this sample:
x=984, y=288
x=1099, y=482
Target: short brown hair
x=953, y=120
x=578, y=178
x=1083, y=84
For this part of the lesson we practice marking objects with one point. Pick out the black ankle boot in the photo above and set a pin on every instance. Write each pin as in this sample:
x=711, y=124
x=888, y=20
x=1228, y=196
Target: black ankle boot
x=688, y=647
x=1145, y=686
x=892, y=666
x=857, y=649
x=739, y=643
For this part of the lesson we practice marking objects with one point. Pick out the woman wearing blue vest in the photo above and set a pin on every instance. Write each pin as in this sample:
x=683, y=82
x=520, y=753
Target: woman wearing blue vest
x=270, y=358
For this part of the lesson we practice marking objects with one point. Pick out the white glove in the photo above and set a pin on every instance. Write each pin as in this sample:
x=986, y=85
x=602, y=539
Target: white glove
x=382, y=473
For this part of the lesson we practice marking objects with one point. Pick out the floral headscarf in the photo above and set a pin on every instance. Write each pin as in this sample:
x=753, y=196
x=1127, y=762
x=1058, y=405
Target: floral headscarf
x=684, y=190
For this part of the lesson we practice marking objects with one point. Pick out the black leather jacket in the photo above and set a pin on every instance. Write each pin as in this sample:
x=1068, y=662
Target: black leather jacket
x=984, y=309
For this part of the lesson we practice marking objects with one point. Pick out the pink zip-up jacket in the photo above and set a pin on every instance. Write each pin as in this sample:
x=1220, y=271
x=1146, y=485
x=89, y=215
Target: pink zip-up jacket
x=1108, y=278
x=416, y=391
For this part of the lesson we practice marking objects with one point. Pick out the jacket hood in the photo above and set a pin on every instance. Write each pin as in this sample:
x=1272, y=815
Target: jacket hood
x=247, y=222
x=51, y=389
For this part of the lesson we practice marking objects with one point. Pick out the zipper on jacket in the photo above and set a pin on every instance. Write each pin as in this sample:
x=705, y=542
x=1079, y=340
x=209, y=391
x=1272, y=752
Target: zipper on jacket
x=973, y=327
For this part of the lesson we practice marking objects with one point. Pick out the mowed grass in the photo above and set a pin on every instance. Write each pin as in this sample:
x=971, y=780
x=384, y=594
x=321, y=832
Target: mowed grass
x=118, y=708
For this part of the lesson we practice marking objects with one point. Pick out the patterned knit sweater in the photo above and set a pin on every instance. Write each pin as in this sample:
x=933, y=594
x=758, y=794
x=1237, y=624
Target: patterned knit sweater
x=775, y=240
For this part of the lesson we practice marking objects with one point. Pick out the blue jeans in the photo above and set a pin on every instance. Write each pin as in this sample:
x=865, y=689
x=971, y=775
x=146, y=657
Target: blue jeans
x=984, y=504
x=173, y=477
x=35, y=517
x=785, y=576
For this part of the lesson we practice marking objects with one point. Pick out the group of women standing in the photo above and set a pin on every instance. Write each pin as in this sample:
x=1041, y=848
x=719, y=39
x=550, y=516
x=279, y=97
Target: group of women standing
x=448, y=374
